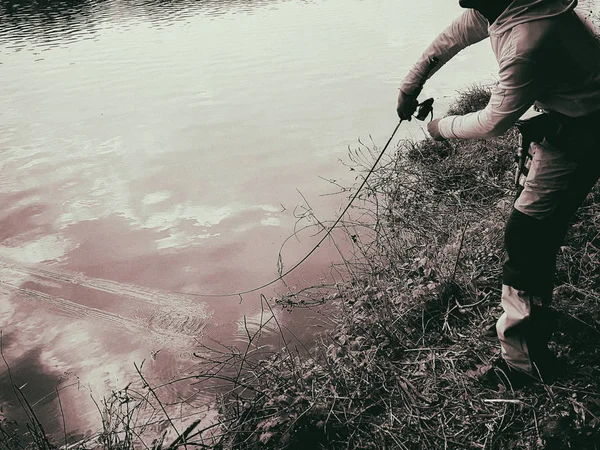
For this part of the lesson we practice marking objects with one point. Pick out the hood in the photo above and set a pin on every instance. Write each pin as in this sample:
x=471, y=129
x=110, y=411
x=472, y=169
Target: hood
x=521, y=11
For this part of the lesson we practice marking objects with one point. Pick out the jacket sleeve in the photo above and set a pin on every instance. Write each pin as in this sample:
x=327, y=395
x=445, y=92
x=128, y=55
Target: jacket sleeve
x=515, y=92
x=469, y=28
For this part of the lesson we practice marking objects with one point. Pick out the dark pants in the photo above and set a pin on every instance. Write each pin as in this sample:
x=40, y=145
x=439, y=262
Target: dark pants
x=557, y=184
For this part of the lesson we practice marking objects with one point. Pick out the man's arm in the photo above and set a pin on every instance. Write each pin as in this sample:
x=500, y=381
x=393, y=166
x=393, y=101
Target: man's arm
x=516, y=91
x=469, y=28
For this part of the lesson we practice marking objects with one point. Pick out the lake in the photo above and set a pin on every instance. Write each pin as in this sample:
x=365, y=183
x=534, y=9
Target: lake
x=155, y=156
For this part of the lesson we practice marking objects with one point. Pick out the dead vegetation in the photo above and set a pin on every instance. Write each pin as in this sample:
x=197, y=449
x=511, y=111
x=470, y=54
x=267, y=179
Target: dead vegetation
x=399, y=367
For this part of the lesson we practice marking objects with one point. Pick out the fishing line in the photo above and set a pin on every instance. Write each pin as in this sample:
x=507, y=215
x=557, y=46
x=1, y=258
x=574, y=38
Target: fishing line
x=423, y=109
x=325, y=236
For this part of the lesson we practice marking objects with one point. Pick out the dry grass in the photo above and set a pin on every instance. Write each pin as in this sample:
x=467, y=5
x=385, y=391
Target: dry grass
x=399, y=367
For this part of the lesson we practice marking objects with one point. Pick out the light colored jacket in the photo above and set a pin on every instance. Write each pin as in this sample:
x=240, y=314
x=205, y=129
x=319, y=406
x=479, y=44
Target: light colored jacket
x=546, y=55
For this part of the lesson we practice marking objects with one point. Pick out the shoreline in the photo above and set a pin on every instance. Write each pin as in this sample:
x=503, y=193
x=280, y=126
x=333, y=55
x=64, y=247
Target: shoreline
x=399, y=366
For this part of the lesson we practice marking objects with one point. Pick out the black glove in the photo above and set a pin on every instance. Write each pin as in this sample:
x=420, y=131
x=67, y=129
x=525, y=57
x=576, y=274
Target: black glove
x=407, y=105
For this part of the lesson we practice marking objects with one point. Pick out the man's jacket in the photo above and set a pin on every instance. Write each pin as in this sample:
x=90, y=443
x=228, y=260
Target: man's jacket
x=546, y=54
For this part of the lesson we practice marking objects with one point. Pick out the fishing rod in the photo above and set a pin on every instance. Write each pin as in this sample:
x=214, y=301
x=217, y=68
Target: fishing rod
x=423, y=110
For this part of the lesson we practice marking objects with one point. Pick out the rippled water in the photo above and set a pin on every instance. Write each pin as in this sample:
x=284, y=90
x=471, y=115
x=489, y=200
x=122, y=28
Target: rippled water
x=150, y=149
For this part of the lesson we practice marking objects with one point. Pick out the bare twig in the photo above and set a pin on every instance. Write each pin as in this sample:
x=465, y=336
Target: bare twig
x=159, y=402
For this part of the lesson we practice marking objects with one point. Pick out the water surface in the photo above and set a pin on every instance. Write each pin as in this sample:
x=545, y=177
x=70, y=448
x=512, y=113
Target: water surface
x=151, y=149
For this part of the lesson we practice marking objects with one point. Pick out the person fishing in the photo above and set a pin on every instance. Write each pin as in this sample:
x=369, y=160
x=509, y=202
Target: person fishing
x=549, y=59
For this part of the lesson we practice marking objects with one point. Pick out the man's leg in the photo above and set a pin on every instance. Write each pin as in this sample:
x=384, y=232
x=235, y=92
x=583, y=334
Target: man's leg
x=527, y=290
x=556, y=185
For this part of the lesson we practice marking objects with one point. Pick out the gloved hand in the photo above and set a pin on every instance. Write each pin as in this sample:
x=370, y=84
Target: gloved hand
x=407, y=105
x=434, y=130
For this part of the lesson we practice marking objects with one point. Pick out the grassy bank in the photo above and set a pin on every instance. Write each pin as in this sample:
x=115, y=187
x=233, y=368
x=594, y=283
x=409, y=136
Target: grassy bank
x=398, y=368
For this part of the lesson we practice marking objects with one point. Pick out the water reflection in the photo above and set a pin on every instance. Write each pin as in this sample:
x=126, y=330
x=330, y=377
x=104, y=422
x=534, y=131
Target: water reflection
x=52, y=22
x=47, y=21
x=44, y=21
